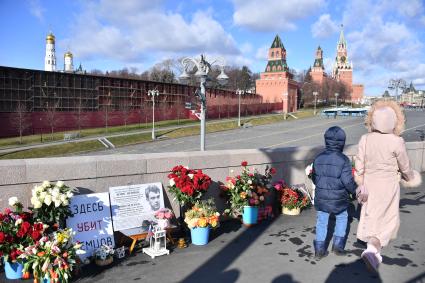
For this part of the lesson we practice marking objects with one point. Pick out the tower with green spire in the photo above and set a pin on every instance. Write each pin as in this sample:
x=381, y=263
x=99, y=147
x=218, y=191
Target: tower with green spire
x=277, y=57
x=343, y=68
x=317, y=72
x=276, y=83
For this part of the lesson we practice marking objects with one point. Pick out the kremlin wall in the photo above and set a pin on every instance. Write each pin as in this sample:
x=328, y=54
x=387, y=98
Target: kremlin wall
x=52, y=100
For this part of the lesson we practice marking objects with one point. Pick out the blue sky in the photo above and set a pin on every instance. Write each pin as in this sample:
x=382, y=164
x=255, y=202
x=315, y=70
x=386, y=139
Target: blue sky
x=385, y=38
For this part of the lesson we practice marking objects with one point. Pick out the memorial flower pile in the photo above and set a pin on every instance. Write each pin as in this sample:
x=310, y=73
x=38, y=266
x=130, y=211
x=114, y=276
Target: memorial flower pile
x=202, y=214
x=293, y=198
x=247, y=189
x=51, y=203
x=104, y=252
x=187, y=185
x=52, y=257
x=17, y=231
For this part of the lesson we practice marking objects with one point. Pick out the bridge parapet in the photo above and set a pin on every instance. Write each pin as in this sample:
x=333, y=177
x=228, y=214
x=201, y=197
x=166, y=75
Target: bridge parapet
x=97, y=173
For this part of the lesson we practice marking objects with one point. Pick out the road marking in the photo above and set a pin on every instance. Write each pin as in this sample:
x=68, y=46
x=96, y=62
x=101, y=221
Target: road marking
x=307, y=137
x=276, y=133
x=413, y=128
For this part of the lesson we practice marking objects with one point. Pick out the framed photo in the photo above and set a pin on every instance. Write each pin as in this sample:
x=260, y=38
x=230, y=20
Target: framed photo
x=134, y=206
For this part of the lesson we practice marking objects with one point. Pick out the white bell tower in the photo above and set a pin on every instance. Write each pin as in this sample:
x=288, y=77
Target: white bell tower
x=50, y=59
x=68, y=62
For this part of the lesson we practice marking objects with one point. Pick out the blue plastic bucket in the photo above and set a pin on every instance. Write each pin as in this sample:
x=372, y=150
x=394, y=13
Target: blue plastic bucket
x=13, y=270
x=200, y=235
x=250, y=215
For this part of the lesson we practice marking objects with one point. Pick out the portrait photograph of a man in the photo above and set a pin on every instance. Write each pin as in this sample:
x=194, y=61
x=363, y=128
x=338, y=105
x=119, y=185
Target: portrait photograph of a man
x=134, y=206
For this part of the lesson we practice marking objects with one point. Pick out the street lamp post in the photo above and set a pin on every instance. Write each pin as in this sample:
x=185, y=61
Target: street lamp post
x=336, y=99
x=396, y=84
x=315, y=93
x=202, y=67
x=239, y=92
x=153, y=93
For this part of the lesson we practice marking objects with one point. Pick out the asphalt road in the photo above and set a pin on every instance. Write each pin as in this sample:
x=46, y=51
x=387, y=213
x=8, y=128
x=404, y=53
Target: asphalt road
x=301, y=132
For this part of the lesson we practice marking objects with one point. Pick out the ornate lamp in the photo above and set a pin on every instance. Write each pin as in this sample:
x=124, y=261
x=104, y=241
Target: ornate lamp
x=157, y=243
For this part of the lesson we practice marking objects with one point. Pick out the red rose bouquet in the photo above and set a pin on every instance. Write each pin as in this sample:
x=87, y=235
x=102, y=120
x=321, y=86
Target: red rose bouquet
x=188, y=185
x=17, y=231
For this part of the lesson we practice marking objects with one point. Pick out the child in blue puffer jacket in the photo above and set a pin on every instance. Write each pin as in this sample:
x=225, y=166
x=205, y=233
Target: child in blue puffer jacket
x=332, y=176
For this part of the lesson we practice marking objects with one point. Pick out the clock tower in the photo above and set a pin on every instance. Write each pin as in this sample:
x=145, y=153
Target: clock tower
x=343, y=69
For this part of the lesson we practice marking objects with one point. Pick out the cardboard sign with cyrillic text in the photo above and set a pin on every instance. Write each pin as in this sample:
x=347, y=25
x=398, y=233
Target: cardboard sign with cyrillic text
x=91, y=222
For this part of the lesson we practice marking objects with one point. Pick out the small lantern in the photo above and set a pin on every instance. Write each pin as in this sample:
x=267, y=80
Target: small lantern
x=157, y=243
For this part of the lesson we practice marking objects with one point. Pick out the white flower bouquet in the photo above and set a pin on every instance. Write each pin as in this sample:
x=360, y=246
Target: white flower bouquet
x=51, y=203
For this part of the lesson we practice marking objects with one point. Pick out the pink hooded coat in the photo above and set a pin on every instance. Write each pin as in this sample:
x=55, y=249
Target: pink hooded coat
x=381, y=161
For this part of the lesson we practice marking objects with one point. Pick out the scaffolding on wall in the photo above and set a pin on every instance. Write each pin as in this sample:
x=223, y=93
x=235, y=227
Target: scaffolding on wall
x=41, y=90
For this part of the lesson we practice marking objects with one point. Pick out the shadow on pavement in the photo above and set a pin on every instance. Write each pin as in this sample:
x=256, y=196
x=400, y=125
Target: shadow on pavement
x=284, y=278
x=353, y=272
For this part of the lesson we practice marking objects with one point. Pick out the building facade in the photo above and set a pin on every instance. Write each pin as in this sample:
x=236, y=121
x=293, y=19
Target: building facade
x=276, y=84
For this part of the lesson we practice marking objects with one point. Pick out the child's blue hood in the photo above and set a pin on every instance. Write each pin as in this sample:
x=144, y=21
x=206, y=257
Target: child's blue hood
x=335, y=138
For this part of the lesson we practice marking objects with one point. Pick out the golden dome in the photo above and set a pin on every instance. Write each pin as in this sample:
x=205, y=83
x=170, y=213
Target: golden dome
x=68, y=54
x=50, y=37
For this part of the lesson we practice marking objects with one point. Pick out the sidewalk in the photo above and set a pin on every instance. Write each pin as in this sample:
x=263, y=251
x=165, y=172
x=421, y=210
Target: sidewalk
x=278, y=251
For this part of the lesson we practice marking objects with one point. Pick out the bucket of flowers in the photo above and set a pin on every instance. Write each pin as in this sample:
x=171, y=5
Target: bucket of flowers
x=200, y=219
x=246, y=191
x=163, y=217
x=17, y=230
x=104, y=255
x=293, y=200
x=53, y=257
x=188, y=185
x=51, y=204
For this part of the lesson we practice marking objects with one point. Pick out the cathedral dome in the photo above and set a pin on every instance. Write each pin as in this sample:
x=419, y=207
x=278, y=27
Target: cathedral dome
x=68, y=54
x=50, y=37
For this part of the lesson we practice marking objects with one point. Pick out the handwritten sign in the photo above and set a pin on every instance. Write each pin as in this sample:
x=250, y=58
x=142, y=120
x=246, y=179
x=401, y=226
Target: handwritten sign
x=135, y=205
x=91, y=221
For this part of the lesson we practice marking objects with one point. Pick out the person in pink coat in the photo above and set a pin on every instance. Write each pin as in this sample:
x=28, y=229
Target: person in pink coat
x=381, y=163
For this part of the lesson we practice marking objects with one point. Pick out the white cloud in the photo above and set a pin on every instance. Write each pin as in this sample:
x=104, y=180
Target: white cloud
x=272, y=15
x=128, y=30
x=384, y=42
x=412, y=8
x=37, y=10
x=324, y=27
x=262, y=53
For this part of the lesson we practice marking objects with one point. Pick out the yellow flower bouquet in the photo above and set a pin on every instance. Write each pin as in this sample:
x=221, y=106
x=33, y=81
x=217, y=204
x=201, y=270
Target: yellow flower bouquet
x=200, y=218
x=202, y=214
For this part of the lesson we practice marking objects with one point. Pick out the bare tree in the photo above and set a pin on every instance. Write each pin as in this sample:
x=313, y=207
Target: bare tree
x=106, y=108
x=80, y=115
x=20, y=120
x=52, y=117
x=125, y=108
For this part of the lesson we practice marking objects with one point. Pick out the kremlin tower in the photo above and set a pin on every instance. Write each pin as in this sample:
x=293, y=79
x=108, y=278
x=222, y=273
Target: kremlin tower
x=318, y=70
x=68, y=62
x=276, y=83
x=50, y=58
